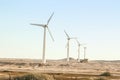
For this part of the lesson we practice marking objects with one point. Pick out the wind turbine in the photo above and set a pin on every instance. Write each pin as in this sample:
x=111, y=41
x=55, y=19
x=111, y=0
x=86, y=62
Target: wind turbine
x=45, y=26
x=79, y=49
x=68, y=38
x=85, y=52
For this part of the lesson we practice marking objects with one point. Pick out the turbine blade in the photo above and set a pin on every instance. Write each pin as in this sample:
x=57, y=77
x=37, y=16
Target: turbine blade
x=38, y=25
x=77, y=41
x=73, y=38
x=50, y=18
x=66, y=34
x=50, y=33
x=83, y=44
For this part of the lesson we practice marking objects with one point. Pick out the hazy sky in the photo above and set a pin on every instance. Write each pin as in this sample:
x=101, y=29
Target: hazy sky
x=94, y=22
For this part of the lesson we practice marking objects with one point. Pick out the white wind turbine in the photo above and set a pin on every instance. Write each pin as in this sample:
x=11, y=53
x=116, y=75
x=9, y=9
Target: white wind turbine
x=68, y=38
x=44, y=38
x=79, y=49
x=85, y=52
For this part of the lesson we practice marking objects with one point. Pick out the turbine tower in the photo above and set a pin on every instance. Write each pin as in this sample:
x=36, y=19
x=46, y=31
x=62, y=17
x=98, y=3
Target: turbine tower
x=45, y=26
x=78, y=50
x=68, y=38
x=85, y=52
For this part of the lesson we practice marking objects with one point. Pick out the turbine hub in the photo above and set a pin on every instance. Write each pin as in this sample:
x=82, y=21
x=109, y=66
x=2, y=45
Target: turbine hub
x=45, y=26
x=68, y=38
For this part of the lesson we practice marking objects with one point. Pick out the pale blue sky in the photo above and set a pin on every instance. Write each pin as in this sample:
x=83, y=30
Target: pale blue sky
x=95, y=22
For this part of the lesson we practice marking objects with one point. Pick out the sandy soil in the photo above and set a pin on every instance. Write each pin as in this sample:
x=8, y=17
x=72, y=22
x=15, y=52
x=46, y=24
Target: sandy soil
x=95, y=67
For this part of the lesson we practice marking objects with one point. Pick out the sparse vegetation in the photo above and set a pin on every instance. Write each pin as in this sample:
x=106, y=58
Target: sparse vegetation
x=19, y=66
x=84, y=79
x=58, y=70
x=105, y=74
x=64, y=65
x=100, y=79
x=34, y=77
x=84, y=61
x=26, y=77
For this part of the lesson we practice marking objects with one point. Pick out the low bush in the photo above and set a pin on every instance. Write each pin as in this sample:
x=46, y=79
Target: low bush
x=100, y=79
x=64, y=65
x=105, y=74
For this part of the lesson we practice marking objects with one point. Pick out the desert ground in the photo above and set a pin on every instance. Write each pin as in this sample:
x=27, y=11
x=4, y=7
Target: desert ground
x=32, y=69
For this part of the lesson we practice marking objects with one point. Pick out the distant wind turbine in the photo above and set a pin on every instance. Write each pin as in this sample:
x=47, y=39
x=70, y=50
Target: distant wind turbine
x=85, y=52
x=44, y=38
x=79, y=49
x=68, y=38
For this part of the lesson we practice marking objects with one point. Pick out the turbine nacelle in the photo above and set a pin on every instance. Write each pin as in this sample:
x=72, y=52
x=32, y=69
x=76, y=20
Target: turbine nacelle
x=71, y=38
x=68, y=38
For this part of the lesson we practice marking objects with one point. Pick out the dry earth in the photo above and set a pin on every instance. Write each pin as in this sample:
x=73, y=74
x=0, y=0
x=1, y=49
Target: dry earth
x=60, y=69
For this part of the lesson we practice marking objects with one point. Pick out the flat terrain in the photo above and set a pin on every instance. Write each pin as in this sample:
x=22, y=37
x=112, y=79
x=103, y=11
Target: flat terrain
x=60, y=69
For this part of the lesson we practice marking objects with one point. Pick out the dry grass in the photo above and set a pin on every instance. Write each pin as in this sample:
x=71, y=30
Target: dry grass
x=54, y=76
x=59, y=69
